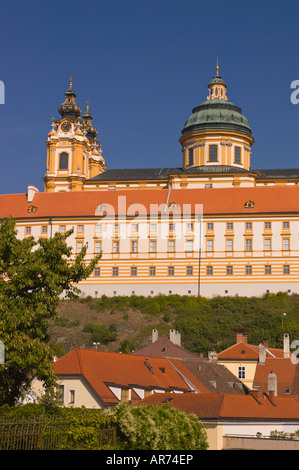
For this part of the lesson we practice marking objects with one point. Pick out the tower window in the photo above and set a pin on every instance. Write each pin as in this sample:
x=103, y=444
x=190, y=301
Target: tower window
x=237, y=154
x=213, y=153
x=190, y=157
x=63, y=161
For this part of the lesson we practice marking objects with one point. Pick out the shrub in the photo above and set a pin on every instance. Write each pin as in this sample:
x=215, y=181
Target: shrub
x=101, y=333
x=152, y=427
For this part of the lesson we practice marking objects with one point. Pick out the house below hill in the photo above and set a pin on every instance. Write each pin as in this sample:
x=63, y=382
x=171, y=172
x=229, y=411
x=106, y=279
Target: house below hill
x=250, y=363
x=238, y=418
x=99, y=379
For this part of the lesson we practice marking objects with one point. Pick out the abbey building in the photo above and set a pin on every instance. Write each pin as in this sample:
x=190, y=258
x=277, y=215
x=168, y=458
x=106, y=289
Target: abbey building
x=210, y=226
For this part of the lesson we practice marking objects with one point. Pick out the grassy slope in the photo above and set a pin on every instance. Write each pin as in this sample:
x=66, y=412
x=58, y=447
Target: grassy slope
x=203, y=323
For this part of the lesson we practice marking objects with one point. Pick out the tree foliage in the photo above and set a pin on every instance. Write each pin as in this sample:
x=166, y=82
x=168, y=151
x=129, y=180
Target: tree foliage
x=212, y=323
x=33, y=277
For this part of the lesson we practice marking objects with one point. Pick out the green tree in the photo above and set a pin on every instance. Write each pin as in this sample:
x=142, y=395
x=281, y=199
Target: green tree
x=33, y=277
x=153, y=427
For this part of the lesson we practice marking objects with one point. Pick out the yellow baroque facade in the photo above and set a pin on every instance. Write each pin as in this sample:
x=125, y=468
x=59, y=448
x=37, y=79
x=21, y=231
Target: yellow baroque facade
x=212, y=226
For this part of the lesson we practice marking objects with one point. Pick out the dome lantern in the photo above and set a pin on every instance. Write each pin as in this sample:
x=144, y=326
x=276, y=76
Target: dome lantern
x=91, y=132
x=69, y=108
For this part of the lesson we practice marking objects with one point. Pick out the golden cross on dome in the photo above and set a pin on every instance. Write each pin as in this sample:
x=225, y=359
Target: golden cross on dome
x=217, y=67
x=71, y=83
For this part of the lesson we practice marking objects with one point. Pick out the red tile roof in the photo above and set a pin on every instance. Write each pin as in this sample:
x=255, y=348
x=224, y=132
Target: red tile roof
x=164, y=347
x=226, y=406
x=83, y=203
x=245, y=351
x=285, y=371
x=100, y=368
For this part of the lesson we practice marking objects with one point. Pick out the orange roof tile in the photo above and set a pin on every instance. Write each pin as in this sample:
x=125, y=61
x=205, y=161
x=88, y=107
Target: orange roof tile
x=100, y=368
x=227, y=406
x=245, y=351
x=84, y=203
x=285, y=371
x=163, y=347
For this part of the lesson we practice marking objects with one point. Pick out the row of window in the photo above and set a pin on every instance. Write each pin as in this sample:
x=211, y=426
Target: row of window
x=71, y=399
x=134, y=246
x=213, y=154
x=249, y=226
x=189, y=270
x=189, y=245
x=151, y=271
x=248, y=270
x=171, y=243
x=249, y=245
x=153, y=227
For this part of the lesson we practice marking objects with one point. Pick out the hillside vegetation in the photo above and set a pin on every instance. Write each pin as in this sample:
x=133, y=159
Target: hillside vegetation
x=125, y=323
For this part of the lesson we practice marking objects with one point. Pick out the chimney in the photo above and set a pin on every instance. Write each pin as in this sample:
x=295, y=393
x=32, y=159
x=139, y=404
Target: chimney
x=175, y=337
x=212, y=356
x=262, y=354
x=241, y=338
x=272, y=384
x=154, y=335
x=286, y=345
x=31, y=191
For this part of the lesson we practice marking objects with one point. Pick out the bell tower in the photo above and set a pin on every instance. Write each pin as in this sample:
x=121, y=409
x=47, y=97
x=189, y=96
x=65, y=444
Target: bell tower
x=73, y=151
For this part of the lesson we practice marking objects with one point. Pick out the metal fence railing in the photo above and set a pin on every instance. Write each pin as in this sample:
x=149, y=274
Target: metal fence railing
x=47, y=434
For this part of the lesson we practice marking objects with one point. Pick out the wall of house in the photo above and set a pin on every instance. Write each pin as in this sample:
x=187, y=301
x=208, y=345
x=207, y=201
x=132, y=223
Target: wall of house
x=233, y=367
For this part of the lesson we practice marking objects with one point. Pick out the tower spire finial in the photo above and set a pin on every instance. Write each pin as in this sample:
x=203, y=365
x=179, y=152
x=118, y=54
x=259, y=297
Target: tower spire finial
x=71, y=83
x=217, y=67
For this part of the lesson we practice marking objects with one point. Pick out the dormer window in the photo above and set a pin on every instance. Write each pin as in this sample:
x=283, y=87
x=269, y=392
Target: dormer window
x=249, y=205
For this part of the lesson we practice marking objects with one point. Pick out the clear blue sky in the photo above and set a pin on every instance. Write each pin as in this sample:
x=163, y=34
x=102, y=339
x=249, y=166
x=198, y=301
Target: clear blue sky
x=144, y=65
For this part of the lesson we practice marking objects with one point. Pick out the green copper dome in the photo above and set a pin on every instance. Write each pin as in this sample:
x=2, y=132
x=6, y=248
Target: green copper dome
x=217, y=113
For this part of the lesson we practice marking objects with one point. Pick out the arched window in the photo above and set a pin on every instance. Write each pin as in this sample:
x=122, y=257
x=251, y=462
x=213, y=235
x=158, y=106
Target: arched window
x=63, y=161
